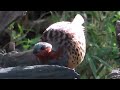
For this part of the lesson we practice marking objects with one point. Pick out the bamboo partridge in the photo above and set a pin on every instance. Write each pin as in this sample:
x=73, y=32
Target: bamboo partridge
x=63, y=43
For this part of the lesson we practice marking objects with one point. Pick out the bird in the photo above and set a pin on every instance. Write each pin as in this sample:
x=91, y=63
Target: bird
x=62, y=43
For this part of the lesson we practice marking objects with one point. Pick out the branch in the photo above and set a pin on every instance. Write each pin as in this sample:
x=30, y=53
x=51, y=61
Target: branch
x=7, y=17
x=13, y=59
x=115, y=74
x=38, y=71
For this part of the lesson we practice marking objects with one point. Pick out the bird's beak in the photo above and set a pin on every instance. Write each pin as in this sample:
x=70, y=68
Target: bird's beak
x=48, y=50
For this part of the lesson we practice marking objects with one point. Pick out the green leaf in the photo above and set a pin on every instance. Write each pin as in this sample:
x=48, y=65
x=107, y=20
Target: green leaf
x=102, y=61
x=35, y=40
x=20, y=28
x=99, y=70
x=26, y=47
x=92, y=65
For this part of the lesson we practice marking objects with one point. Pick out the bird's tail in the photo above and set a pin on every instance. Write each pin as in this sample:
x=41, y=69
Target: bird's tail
x=78, y=20
x=76, y=24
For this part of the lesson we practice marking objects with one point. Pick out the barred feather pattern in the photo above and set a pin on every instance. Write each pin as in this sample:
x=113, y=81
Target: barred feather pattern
x=68, y=36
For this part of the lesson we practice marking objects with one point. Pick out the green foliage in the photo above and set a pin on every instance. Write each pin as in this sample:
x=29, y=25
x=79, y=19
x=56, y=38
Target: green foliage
x=19, y=36
x=101, y=43
x=101, y=50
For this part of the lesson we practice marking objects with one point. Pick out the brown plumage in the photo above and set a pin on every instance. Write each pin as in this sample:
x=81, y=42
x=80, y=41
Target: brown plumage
x=67, y=38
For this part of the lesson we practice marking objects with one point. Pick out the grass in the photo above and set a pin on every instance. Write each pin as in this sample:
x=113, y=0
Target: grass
x=102, y=52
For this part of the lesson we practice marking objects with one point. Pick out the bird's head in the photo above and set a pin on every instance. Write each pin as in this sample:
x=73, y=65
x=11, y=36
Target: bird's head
x=42, y=49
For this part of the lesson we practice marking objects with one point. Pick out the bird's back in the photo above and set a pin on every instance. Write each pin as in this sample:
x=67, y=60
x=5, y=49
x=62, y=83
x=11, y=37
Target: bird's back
x=68, y=37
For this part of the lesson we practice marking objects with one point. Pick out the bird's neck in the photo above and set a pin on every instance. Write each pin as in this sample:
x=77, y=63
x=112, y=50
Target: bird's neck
x=47, y=56
x=55, y=54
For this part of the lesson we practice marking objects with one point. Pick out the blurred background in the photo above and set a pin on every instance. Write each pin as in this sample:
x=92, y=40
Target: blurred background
x=102, y=53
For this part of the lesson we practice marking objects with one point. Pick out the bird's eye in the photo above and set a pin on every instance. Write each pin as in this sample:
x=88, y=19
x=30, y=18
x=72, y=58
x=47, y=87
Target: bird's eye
x=42, y=48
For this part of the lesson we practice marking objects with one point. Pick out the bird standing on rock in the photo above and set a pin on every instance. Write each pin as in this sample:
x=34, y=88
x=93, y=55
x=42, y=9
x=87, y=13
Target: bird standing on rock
x=62, y=43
